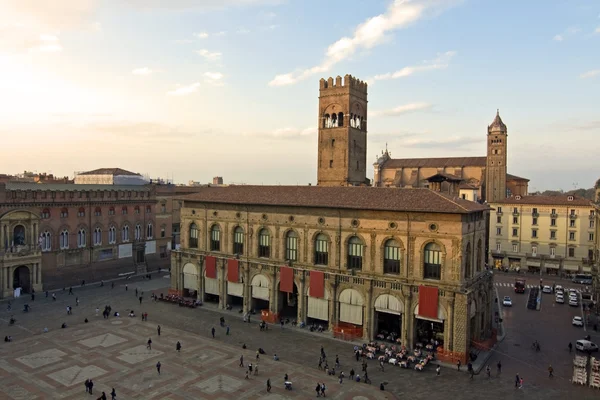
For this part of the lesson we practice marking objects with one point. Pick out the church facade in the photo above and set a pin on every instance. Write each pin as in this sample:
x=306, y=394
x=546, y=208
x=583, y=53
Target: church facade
x=487, y=175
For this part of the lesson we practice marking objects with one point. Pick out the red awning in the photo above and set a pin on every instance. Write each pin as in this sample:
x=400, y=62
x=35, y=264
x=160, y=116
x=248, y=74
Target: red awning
x=211, y=267
x=233, y=274
x=428, y=302
x=286, y=279
x=317, y=284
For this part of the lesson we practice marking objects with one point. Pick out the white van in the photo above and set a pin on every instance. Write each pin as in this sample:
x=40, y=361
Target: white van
x=586, y=345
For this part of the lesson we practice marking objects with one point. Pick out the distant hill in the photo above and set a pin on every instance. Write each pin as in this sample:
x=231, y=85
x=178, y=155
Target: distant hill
x=584, y=193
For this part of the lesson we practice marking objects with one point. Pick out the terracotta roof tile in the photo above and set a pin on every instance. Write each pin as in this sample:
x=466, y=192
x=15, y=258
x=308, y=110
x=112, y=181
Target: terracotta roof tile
x=435, y=162
x=541, y=200
x=516, y=178
x=357, y=198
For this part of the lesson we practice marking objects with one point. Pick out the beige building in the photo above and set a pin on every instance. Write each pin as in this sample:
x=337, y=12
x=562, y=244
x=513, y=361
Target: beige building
x=109, y=176
x=487, y=174
x=357, y=260
x=556, y=234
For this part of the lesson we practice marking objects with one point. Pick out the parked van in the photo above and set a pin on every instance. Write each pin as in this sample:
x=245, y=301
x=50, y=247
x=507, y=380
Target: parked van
x=586, y=345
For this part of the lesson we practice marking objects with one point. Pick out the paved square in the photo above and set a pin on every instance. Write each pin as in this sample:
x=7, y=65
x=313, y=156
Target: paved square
x=138, y=354
x=76, y=375
x=42, y=358
x=220, y=383
x=105, y=340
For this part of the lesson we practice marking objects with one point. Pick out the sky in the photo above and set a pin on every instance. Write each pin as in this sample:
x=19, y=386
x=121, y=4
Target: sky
x=191, y=89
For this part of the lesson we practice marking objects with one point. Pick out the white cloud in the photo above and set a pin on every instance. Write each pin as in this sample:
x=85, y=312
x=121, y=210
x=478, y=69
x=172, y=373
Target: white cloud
x=199, y=4
x=445, y=142
x=286, y=133
x=590, y=74
x=213, y=78
x=49, y=44
x=243, y=31
x=183, y=41
x=441, y=62
x=367, y=35
x=201, y=35
x=597, y=30
x=558, y=38
x=403, y=109
x=221, y=33
x=209, y=55
x=574, y=30
x=144, y=71
x=185, y=90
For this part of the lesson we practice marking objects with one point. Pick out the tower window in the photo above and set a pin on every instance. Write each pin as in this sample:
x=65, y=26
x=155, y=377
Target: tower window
x=332, y=142
x=330, y=163
x=357, y=165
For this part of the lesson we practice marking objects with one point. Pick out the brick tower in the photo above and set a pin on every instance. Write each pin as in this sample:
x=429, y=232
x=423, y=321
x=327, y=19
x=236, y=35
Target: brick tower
x=342, y=158
x=495, y=169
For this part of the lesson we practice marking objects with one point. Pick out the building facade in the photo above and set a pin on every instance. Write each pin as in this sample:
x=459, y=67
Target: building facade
x=342, y=122
x=355, y=259
x=554, y=234
x=109, y=176
x=53, y=233
x=488, y=174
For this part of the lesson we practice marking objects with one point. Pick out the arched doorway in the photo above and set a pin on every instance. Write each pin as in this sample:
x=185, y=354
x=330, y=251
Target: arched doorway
x=190, y=280
x=388, y=312
x=22, y=279
x=260, y=293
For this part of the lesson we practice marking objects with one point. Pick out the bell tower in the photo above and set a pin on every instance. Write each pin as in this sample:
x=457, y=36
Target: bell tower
x=495, y=169
x=342, y=153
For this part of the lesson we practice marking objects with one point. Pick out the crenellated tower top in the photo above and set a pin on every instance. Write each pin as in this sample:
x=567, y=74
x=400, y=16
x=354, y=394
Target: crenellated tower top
x=348, y=82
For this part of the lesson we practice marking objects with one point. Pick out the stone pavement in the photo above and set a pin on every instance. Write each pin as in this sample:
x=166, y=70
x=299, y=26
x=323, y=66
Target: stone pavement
x=128, y=364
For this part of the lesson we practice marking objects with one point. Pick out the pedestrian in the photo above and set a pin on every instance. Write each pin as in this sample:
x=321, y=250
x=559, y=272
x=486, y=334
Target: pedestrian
x=318, y=389
x=32, y=296
x=381, y=366
x=570, y=347
x=242, y=360
x=499, y=365
x=471, y=370
x=213, y=332
x=357, y=354
x=341, y=377
x=323, y=389
x=488, y=371
x=257, y=355
x=458, y=365
x=337, y=361
x=71, y=290
x=255, y=369
x=352, y=374
x=83, y=283
x=268, y=385
x=53, y=297
x=250, y=367
x=550, y=372
x=141, y=299
x=281, y=323
x=87, y=385
x=320, y=366
x=437, y=370
x=46, y=294
x=136, y=292
x=126, y=287
x=149, y=345
x=517, y=381
x=91, y=386
x=158, y=367
x=76, y=301
x=146, y=317
x=246, y=375
x=158, y=330
x=113, y=394
x=227, y=331
x=97, y=311
x=178, y=347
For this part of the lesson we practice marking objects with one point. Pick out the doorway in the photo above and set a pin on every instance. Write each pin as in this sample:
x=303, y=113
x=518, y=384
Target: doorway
x=21, y=279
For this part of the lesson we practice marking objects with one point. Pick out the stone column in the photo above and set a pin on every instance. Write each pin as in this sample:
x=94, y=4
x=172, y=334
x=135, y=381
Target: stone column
x=448, y=344
x=407, y=321
x=369, y=308
x=222, y=276
x=460, y=341
x=302, y=298
x=274, y=293
x=247, y=288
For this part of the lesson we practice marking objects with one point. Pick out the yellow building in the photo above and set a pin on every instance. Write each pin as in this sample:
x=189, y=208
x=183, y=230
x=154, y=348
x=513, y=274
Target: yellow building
x=556, y=234
x=357, y=260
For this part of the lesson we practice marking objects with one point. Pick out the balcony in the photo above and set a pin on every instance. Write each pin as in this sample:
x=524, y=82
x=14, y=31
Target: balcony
x=592, y=216
x=500, y=213
x=18, y=252
x=554, y=215
x=532, y=255
x=515, y=213
x=572, y=216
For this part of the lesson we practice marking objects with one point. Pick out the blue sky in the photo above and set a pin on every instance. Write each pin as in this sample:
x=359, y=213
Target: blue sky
x=191, y=89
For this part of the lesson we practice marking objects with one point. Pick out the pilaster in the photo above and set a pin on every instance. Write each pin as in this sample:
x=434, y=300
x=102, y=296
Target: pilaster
x=302, y=298
x=369, y=311
x=407, y=321
x=247, y=305
x=273, y=295
x=222, y=276
x=449, y=342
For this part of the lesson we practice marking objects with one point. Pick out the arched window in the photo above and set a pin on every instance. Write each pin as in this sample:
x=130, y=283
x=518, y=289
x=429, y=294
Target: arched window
x=98, y=212
x=138, y=232
x=264, y=243
x=326, y=121
x=291, y=246
x=479, y=262
x=136, y=210
x=81, y=212
x=64, y=239
x=193, y=236
x=45, y=213
x=391, y=257
x=125, y=234
x=64, y=213
x=334, y=121
x=355, y=253
x=321, y=249
x=81, y=238
x=468, y=263
x=238, y=240
x=112, y=235
x=149, y=231
x=124, y=211
x=97, y=236
x=340, y=119
x=148, y=209
x=432, y=261
x=111, y=211
x=46, y=241
x=215, y=238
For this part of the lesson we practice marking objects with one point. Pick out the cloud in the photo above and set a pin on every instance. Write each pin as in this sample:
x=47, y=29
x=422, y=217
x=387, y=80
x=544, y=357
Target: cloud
x=243, y=31
x=285, y=133
x=144, y=71
x=209, y=55
x=558, y=38
x=572, y=31
x=201, y=35
x=403, y=109
x=441, y=62
x=201, y=5
x=446, y=143
x=185, y=90
x=213, y=78
x=597, y=30
x=590, y=74
x=138, y=130
x=49, y=44
x=221, y=33
x=367, y=35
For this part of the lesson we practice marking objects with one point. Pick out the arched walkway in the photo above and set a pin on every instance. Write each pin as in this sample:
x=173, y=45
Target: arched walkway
x=388, y=317
x=318, y=308
x=190, y=277
x=351, y=307
x=22, y=279
x=260, y=292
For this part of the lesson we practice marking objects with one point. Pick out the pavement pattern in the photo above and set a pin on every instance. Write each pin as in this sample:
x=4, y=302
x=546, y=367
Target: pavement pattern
x=55, y=364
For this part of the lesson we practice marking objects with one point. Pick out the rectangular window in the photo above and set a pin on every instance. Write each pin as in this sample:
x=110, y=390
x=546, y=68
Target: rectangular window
x=591, y=223
x=553, y=222
x=498, y=231
x=571, y=235
x=355, y=255
x=515, y=232
x=499, y=219
x=552, y=234
x=498, y=247
x=291, y=248
x=238, y=242
x=321, y=252
x=515, y=220
x=572, y=212
x=552, y=251
x=534, y=250
x=515, y=210
x=572, y=223
x=499, y=210
x=591, y=237
x=215, y=240
x=330, y=163
x=534, y=233
x=534, y=211
x=515, y=248
x=264, y=245
x=433, y=264
x=534, y=221
x=571, y=252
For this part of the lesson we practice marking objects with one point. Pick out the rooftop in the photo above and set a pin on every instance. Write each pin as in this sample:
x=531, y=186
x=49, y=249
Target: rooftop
x=109, y=171
x=515, y=178
x=71, y=187
x=435, y=162
x=541, y=200
x=356, y=198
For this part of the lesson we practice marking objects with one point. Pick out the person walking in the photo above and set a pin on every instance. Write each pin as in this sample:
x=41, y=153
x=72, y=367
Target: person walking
x=471, y=370
x=268, y=385
x=499, y=366
x=158, y=365
x=149, y=344
x=242, y=360
x=141, y=300
x=227, y=331
x=213, y=332
x=178, y=347
x=158, y=330
x=488, y=371
x=517, y=381
x=458, y=363
x=337, y=361
x=126, y=287
x=113, y=394
x=255, y=369
x=570, y=347
x=87, y=385
x=71, y=290
x=438, y=370
x=46, y=294
x=53, y=297
x=97, y=311
x=136, y=292
x=91, y=386
x=323, y=389
x=550, y=372
x=76, y=301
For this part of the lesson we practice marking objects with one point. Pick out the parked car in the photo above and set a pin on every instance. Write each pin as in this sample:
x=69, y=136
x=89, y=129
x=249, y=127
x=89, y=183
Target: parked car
x=573, y=302
x=577, y=321
x=547, y=289
x=557, y=288
x=560, y=299
x=586, y=345
x=507, y=302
